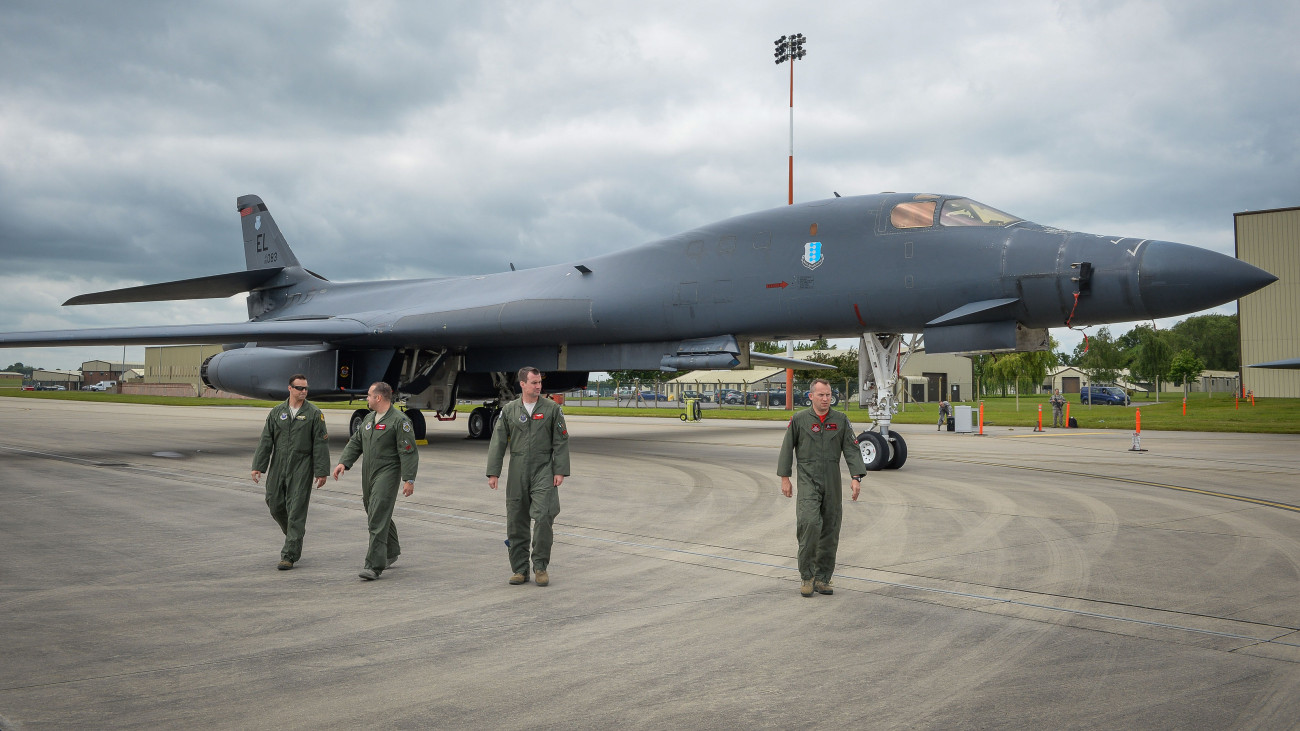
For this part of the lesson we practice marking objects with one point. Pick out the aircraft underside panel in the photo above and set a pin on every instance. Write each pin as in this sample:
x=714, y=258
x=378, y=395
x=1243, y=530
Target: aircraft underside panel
x=985, y=337
x=622, y=356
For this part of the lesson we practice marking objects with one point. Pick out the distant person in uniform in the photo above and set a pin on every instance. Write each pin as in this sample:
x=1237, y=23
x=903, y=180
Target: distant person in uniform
x=532, y=429
x=295, y=446
x=387, y=440
x=945, y=410
x=818, y=437
x=1058, y=408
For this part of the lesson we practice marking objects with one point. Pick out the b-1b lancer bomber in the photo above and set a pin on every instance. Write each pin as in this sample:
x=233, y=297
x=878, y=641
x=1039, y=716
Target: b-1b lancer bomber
x=965, y=276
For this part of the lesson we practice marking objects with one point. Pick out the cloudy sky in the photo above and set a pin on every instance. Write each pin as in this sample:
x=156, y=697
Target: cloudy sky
x=405, y=139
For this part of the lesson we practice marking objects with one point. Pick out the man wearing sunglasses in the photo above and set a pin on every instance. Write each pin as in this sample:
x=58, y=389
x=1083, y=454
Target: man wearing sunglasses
x=295, y=445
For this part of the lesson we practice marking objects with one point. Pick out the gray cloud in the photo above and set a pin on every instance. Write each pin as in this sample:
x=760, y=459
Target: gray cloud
x=402, y=140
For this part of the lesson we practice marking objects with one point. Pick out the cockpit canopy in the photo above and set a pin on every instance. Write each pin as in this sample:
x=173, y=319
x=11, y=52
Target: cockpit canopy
x=920, y=213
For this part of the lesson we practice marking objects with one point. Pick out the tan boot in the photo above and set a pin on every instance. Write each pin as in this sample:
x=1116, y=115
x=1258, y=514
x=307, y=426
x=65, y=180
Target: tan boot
x=823, y=587
x=517, y=579
x=806, y=588
x=542, y=578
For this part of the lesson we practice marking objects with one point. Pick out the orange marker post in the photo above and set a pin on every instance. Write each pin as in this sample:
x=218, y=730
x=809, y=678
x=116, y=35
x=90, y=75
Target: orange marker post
x=1252, y=397
x=981, y=418
x=1184, y=406
x=1236, y=402
x=1139, y=420
x=1040, y=418
x=1067, y=414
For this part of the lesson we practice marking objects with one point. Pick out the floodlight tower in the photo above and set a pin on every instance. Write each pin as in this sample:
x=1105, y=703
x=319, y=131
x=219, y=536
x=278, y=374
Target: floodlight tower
x=790, y=48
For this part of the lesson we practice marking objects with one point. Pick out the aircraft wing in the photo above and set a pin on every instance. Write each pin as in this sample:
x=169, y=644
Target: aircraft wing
x=781, y=361
x=274, y=331
x=1288, y=364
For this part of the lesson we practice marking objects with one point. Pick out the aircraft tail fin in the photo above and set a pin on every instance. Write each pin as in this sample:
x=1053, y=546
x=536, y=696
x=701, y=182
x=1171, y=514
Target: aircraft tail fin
x=264, y=245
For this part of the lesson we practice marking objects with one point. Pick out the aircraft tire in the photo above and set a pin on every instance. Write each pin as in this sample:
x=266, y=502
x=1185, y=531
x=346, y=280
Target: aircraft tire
x=875, y=453
x=418, y=426
x=899, y=450
x=480, y=424
x=354, y=422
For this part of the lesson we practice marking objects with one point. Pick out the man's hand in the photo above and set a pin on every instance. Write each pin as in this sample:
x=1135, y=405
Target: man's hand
x=558, y=480
x=408, y=487
x=492, y=481
x=786, y=488
x=856, y=484
x=257, y=476
x=320, y=482
x=338, y=470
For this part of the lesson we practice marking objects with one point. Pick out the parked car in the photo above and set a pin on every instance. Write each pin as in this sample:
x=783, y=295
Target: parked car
x=730, y=396
x=29, y=388
x=691, y=394
x=1106, y=395
x=652, y=396
x=101, y=386
x=805, y=398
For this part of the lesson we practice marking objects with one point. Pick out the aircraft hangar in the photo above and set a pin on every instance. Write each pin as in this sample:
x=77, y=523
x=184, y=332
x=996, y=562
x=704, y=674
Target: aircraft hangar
x=1270, y=317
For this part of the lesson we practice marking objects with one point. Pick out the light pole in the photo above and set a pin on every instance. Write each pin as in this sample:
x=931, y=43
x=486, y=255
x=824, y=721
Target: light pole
x=790, y=48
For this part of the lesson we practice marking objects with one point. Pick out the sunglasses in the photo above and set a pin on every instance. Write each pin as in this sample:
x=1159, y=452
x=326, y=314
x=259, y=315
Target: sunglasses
x=299, y=388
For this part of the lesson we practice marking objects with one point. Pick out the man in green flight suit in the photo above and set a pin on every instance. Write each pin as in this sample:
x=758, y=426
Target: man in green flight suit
x=533, y=429
x=819, y=436
x=295, y=444
x=388, y=442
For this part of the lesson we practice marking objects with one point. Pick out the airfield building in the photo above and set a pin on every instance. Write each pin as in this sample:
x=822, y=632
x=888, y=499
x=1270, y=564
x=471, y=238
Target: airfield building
x=1270, y=318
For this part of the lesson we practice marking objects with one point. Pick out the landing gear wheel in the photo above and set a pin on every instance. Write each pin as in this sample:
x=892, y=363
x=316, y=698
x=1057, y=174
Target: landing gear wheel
x=899, y=451
x=417, y=423
x=354, y=423
x=480, y=423
x=875, y=453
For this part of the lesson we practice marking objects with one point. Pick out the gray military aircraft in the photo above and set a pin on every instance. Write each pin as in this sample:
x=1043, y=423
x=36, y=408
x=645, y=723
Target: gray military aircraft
x=968, y=277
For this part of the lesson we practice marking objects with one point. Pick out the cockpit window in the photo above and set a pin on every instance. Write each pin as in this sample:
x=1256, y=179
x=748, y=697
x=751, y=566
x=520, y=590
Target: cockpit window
x=915, y=214
x=966, y=212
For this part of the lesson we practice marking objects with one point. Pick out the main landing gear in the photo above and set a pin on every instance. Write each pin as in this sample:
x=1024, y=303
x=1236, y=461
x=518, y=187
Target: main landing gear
x=482, y=420
x=418, y=426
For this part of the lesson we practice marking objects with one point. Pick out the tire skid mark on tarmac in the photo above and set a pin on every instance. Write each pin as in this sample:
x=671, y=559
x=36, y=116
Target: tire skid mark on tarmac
x=1280, y=636
x=1128, y=480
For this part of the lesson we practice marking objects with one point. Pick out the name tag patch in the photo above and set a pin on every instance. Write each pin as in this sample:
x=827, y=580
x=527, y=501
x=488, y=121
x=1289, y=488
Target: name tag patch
x=380, y=427
x=832, y=427
x=538, y=416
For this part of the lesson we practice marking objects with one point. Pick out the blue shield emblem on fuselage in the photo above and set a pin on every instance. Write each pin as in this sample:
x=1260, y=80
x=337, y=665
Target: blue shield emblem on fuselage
x=812, y=254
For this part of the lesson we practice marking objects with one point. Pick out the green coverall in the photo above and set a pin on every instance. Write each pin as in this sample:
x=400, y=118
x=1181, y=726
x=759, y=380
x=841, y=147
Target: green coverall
x=391, y=459
x=818, y=506
x=539, y=450
x=297, y=450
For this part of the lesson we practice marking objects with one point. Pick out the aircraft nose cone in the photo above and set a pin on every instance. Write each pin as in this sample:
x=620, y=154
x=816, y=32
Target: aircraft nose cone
x=1176, y=279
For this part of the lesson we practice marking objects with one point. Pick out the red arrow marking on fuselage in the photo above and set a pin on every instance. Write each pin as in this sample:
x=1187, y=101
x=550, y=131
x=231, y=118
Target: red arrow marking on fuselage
x=778, y=285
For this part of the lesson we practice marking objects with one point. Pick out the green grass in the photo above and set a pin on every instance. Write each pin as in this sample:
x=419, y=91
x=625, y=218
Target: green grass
x=1217, y=414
